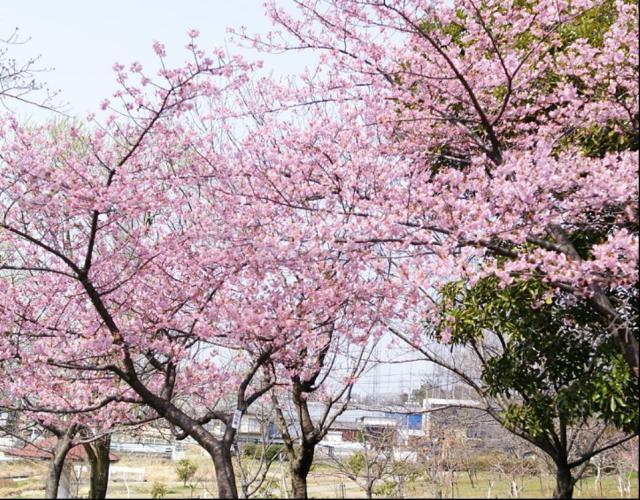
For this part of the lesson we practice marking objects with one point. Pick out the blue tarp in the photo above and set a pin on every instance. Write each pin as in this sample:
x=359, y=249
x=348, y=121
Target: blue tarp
x=406, y=420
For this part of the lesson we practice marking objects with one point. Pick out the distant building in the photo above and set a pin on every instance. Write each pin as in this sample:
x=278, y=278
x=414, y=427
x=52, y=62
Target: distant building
x=343, y=432
x=409, y=427
x=253, y=428
x=465, y=417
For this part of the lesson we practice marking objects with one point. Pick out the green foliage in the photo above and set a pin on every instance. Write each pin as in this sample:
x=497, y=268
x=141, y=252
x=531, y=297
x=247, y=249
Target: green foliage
x=591, y=25
x=553, y=353
x=255, y=451
x=598, y=140
x=614, y=393
x=410, y=471
x=357, y=462
x=159, y=490
x=185, y=469
x=386, y=490
x=487, y=461
x=455, y=29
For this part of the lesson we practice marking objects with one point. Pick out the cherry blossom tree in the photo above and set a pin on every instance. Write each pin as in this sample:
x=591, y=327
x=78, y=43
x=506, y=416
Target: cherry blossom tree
x=204, y=229
x=140, y=255
x=111, y=258
x=70, y=410
x=331, y=369
x=457, y=134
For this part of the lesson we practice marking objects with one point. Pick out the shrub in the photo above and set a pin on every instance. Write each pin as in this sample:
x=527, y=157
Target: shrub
x=254, y=451
x=185, y=469
x=159, y=490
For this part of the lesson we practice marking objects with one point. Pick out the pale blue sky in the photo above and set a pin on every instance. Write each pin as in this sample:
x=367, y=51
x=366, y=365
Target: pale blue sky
x=82, y=39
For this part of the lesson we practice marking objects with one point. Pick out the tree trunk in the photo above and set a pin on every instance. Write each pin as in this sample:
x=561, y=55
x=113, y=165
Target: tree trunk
x=63, y=445
x=564, y=482
x=98, y=454
x=299, y=468
x=369, y=489
x=218, y=450
x=225, y=476
x=597, y=484
x=298, y=484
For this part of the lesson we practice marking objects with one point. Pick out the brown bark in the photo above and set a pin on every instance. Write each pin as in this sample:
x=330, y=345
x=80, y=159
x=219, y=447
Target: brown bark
x=311, y=433
x=98, y=455
x=54, y=471
x=218, y=449
x=299, y=468
x=225, y=477
x=564, y=482
x=369, y=489
x=301, y=456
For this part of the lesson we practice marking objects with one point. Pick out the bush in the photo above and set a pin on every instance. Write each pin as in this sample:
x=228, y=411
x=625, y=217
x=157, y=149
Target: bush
x=487, y=462
x=387, y=489
x=254, y=451
x=185, y=469
x=159, y=490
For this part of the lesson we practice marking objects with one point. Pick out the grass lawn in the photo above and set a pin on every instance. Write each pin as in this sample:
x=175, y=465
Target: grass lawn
x=26, y=480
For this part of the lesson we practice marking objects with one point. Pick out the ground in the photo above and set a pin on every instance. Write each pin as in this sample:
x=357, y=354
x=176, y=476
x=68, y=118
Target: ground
x=24, y=479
